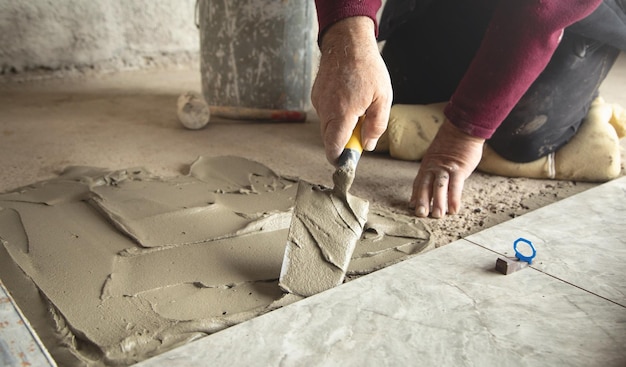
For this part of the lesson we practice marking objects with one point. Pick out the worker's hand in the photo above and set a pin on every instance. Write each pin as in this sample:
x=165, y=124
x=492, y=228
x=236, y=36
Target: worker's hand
x=352, y=80
x=448, y=162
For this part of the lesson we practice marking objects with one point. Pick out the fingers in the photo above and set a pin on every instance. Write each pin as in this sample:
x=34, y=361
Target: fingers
x=440, y=194
x=339, y=113
x=422, y=194
x=431, y=194
x=455, y=191
x=337, y=131
x=375, y=123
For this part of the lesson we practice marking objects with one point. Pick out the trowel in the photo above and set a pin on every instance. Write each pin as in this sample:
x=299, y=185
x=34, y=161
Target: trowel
x=325, y=227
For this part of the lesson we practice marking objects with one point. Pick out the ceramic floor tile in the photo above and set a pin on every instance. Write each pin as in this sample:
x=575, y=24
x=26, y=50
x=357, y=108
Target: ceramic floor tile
x=581, y=239
x=19, y=345
x=447, y=307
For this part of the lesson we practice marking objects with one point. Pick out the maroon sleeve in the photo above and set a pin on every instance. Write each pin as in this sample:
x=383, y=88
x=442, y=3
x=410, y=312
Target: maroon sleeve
x=517, y=46
x=331, y=11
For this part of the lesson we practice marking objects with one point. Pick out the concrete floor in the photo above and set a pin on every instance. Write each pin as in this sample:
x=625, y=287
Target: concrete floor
x=129, y=119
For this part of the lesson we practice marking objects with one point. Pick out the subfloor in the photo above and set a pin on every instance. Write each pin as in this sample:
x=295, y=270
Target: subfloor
x=463, y=312
x=129, y=119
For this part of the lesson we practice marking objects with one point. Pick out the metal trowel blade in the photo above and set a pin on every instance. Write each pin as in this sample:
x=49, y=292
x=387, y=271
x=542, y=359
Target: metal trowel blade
x=324, y=230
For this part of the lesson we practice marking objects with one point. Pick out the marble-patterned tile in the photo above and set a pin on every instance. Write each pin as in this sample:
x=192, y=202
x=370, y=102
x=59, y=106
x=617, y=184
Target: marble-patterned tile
x=446, y=307
x=19, y=345
x=581, y=239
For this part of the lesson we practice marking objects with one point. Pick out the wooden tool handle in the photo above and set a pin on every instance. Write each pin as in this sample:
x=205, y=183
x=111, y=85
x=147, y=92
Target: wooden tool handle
x=245, y=113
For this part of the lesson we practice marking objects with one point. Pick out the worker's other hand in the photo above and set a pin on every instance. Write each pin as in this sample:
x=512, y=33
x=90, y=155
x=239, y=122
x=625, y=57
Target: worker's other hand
x=352, y=80
x=448, y=162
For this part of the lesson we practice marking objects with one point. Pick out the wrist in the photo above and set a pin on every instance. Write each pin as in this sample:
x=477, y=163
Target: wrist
x=451, y=130
x=357, y=30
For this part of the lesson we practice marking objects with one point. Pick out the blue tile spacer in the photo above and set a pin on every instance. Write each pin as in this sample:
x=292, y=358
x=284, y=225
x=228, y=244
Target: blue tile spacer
x=519, y=255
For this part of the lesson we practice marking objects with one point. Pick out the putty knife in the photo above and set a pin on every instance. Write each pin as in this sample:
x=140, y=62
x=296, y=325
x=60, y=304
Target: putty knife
x=325, y=227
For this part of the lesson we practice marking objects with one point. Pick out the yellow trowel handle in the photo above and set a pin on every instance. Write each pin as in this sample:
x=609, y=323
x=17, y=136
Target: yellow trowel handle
x=352, y=152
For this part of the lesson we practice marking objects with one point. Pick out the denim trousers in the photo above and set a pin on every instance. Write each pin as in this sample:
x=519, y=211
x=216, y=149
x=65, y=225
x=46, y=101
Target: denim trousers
x=430, y=44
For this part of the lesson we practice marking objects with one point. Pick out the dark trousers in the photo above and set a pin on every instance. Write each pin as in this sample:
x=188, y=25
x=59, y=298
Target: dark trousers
x=430, y=44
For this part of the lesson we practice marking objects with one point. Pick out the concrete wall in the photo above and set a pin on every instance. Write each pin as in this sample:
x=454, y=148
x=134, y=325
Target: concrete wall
x=113, y=34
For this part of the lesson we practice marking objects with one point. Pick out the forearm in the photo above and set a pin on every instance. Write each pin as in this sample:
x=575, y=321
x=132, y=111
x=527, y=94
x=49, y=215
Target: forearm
x=517, y=46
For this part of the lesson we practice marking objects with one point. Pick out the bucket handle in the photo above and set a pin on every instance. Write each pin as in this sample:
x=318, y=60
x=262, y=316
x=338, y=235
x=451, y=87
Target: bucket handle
x=196, y=19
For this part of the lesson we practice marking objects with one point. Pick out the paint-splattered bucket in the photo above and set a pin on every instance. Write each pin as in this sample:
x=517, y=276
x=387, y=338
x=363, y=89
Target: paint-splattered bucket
x=257, y=53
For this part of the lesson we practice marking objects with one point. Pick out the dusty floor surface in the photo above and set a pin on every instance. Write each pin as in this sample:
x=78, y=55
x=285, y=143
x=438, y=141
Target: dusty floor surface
x=129, y=119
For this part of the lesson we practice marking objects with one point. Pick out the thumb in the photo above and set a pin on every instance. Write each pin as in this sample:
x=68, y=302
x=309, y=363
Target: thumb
x=336, y=134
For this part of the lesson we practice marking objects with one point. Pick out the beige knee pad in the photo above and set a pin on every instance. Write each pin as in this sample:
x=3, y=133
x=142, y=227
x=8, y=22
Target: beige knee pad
x=618, y=120
x=593, y=154
x=492, y=162
x=411, y=129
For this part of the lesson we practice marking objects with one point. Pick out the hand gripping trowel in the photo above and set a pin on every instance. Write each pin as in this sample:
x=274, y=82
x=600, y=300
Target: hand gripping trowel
x=325, y=227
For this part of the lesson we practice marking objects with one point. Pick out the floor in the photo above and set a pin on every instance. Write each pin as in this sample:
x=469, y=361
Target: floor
x=449, y=307
x=129, y=119
x=446, y=307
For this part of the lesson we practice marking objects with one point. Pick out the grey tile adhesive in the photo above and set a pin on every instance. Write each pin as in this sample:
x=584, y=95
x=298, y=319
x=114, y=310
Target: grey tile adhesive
x=111, y=267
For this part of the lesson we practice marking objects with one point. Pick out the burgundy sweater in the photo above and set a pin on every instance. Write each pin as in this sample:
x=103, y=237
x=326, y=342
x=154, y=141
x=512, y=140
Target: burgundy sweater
x=519, y=42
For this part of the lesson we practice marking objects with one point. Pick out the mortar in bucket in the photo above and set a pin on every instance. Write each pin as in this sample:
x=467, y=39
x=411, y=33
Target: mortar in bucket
x=257, y=53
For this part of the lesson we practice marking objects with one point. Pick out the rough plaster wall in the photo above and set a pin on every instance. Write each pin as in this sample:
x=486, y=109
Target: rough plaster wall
x=67, y=34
